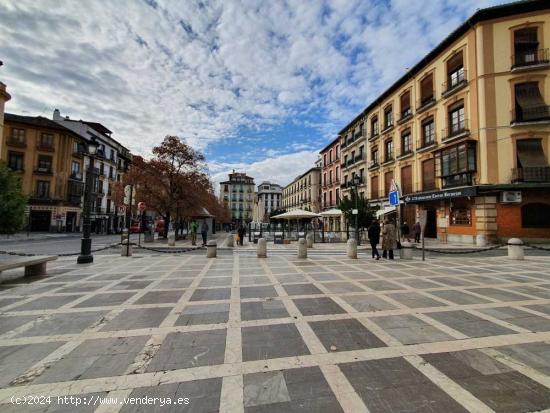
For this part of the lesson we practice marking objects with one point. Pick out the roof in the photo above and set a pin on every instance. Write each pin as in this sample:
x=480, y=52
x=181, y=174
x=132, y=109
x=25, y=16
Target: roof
x=332, y=143
x=97, y=127
x=489, y=13
x=38, y=121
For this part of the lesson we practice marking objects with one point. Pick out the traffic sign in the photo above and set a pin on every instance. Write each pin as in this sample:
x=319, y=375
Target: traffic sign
x=393, y=186
x=141, y=206
x=394, y=198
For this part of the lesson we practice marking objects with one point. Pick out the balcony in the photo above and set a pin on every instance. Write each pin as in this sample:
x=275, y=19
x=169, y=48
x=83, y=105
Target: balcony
x=455, y=82
x=530, y=59
x=405, y=116
x=46, y=147
x=539, y=113
x=425, y=103
x=405, y=154
x=456, y=131
x=100, y=154
x=373, y=136
x=388, y=159
x=43, y=171
x=374, y=165
x=17, y=142
x=531, y=174
x=387, y=128
x=461, y=179
x=76, y=176
x=423, y=145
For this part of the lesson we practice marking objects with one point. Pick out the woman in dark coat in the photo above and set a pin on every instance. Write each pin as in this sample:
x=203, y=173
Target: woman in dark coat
x=374, y=238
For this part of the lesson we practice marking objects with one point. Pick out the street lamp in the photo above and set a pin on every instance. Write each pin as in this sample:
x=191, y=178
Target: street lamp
x=86, y=256
x=356, y=182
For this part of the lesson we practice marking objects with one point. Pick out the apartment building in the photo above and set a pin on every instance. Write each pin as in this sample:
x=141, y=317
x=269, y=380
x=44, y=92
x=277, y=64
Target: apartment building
x=49, y=159
x=237, y=194
x=268, y=199
x=4, y=97
x=465, y=133
x=304, y=192
x=330, y=174
x=111, y=162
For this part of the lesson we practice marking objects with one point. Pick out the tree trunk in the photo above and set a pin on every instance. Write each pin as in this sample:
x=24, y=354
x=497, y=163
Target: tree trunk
x=166, y=225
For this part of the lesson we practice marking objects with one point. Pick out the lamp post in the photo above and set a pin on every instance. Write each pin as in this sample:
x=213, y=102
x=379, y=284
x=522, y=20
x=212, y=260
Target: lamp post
x=356, y=182
x=86, y=256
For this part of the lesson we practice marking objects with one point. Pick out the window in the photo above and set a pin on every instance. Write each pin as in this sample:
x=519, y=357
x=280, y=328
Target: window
x=324, y=179
x=75, y=168
x=108, y=206
x=374, y=157
x=337, y=173
x=406, y=179
x=388, y=117
x=535, y=215
x=388, y=150
x=330, y=198
x=457, y=123
x=42, y=189
x=461, y=216
x=456, y=164
x=428, y=175
x=337, y=195
x=374, y=126
x=226, y=188
x=15, y=161
x=427, y=90
x=406, y=143
x=405, y=105
x=526, y=47
x=428, y=132
x=337, y=151
x=17, y=136
x=455, y=71
x=388, y=177
x=44, y=163
x=46, y=140
x=330, y=177
x=325, y=159
x=362, y=174
x=101, y=168
x=330, y=156
x=360, y=156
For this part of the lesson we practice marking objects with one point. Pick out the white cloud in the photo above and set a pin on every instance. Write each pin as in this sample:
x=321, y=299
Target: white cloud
x=205, y=69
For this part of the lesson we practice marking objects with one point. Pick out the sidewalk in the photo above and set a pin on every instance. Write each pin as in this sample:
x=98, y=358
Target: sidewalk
x=37, y=236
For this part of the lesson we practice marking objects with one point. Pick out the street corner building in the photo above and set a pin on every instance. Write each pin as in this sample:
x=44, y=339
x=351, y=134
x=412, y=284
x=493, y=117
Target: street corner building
x=331, y=184
x=50, y=157
x=465, y=133
x=237, y=195
x=304, y=192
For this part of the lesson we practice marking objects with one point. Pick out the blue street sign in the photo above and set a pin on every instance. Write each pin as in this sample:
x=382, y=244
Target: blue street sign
x=394, y=198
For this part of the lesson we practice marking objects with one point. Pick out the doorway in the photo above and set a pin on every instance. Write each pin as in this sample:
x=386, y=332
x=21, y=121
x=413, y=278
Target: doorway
x=70, y=225
x=40, y=220
x=431, y=224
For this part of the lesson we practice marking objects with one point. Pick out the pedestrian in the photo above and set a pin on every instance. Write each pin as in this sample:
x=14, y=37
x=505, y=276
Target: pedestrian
x=242, y=233
x=389, y=240
x=405, y=231
x=204, y=232
x=194, y=228
x=373, y=233
x=417, y=230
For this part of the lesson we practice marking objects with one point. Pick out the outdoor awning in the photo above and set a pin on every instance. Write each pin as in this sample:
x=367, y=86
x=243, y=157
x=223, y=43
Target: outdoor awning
x=386, y=210
x=528, y=96
x=296, y=214
x=334, y=212
x=530, y=153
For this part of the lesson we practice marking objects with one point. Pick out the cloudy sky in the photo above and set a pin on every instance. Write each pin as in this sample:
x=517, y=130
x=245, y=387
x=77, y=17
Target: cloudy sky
x=259, y=86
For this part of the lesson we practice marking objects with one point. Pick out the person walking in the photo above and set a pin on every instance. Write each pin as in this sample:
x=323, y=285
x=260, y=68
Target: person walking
x=194, y=228
x=405, y=231
x=242, y=232
x=373, y=233
x=417, y=230
x=389, y=240
x=204, y=232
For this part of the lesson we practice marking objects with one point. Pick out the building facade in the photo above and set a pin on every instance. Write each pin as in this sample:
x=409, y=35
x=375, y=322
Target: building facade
x=4, y=97
x=330, y=175
x=49, y=159
x=111, y=162
x=304, y=192
x=465, y=133
x=268, y=199
x=237, y=194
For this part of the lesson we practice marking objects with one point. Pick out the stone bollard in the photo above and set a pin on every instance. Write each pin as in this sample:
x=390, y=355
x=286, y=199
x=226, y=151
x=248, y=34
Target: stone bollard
x=126, y=250
x=171, y=240
x=351, y=248
x=230, y=239
x=406, y=251
x=211, y=249
x=302, y=248
x=515, y=249
x=261, y=249
x=309, y=240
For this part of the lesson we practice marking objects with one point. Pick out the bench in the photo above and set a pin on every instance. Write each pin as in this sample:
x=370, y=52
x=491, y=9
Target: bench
x=33, y=265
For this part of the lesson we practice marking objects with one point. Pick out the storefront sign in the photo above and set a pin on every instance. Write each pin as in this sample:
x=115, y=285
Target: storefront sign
x=439, y=195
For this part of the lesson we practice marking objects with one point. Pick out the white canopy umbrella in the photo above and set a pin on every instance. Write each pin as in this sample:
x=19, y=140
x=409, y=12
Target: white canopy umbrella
x=296, y=214
x=386, y=210
x=334, y=212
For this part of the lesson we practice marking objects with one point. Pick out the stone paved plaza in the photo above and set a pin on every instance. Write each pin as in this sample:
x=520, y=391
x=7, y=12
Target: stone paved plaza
x=237, y=333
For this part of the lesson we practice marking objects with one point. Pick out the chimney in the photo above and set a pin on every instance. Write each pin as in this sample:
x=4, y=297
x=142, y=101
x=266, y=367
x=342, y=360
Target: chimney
x=57, y=115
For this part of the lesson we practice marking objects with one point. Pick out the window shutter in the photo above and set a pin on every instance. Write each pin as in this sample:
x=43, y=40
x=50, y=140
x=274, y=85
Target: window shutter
x=455, y=62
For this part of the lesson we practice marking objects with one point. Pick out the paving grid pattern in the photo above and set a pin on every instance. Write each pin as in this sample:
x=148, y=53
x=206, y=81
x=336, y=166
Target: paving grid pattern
x=239, y=333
